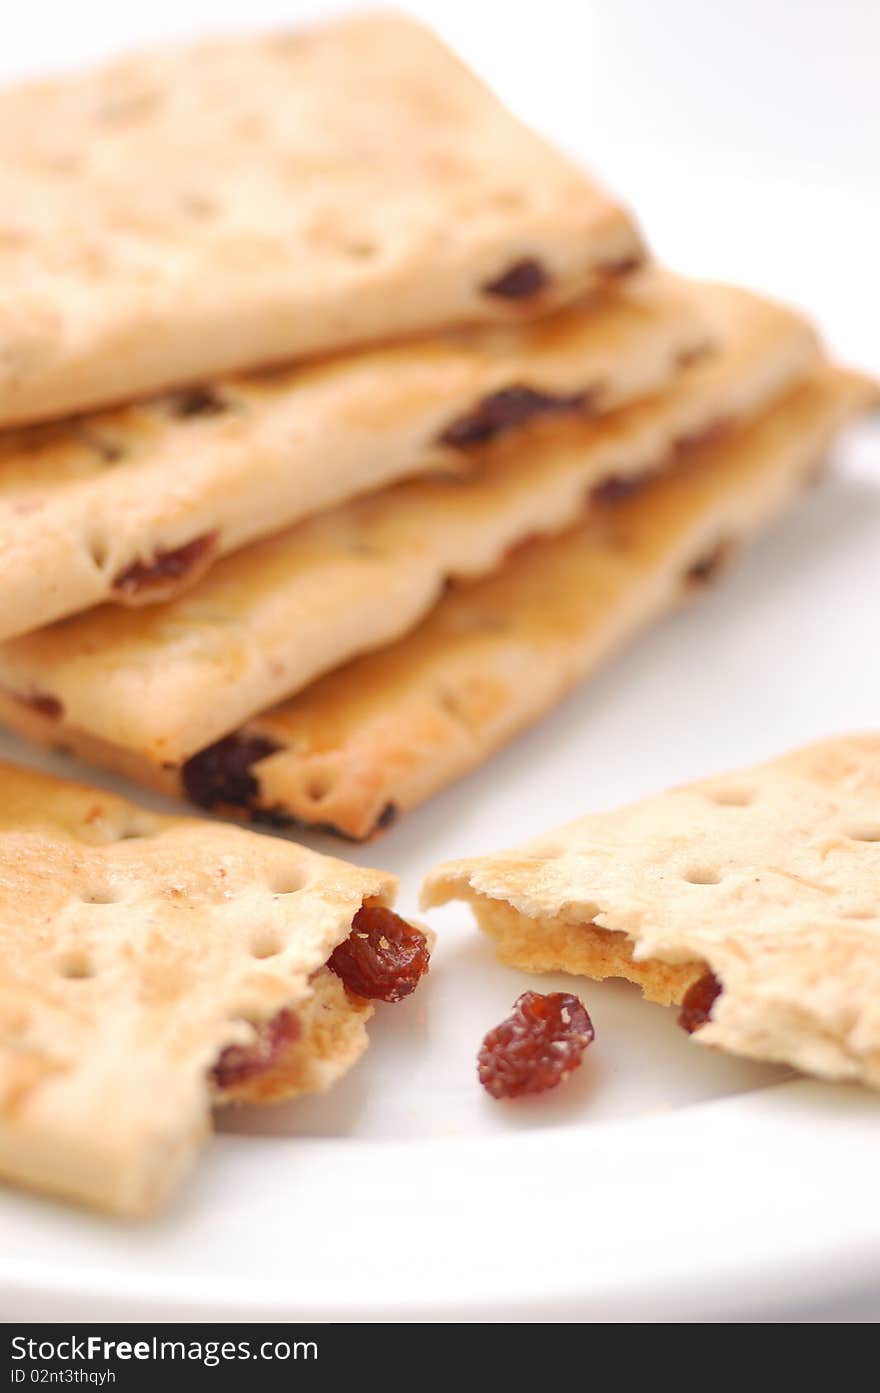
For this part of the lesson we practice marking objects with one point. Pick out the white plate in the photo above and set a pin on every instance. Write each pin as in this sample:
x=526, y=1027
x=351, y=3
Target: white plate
x=665, y=1180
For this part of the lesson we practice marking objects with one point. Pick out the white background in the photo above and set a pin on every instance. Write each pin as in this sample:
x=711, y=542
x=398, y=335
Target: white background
x=748, y=138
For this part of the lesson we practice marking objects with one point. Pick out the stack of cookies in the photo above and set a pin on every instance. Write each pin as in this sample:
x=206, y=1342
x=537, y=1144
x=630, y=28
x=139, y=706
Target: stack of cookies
x=346, y=424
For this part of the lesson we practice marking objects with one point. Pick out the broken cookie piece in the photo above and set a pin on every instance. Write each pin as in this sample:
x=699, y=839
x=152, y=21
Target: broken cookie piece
x=152, y=968
x=750, y=899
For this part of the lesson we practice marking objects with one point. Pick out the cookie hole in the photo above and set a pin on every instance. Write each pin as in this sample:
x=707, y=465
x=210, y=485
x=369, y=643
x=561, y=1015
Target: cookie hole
x=510, y=199
x=361, y=547
x=686, y=357
x=701, y=875
x=451, y=704
x=100, y=832
x=99, y=553
x=361, y=250
x=127, y=107
x=621, y=266
x=732, y=797
x=199, y=206
x=865, y=834
x=76, y=966
x=65, y=162
x=319, y=786
x=100, y=894
x=287, y=883
x=12, y=237
x=132, y=831
x=267, y=945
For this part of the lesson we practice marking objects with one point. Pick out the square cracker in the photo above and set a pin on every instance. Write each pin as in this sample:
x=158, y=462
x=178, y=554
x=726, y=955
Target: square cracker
x=166, y=680
x=208, y=208
x=767, y=877
x=133, y=950
x=134, y=505
x=379, y=735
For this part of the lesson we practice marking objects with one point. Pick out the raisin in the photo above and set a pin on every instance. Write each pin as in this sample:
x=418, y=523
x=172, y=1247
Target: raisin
x=196, y=401
x=503, y=411
x=43, y=703
x=240, y=1062
x=167, y=568
x=520, y=281
x=700, y=997
x=222, y=772
x=698, y=439
x=536, y=1047
x=107, y=450
x=275, y=817
x=617, y=487
x=383, y=957
x=710, y=566
x=387, y=817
